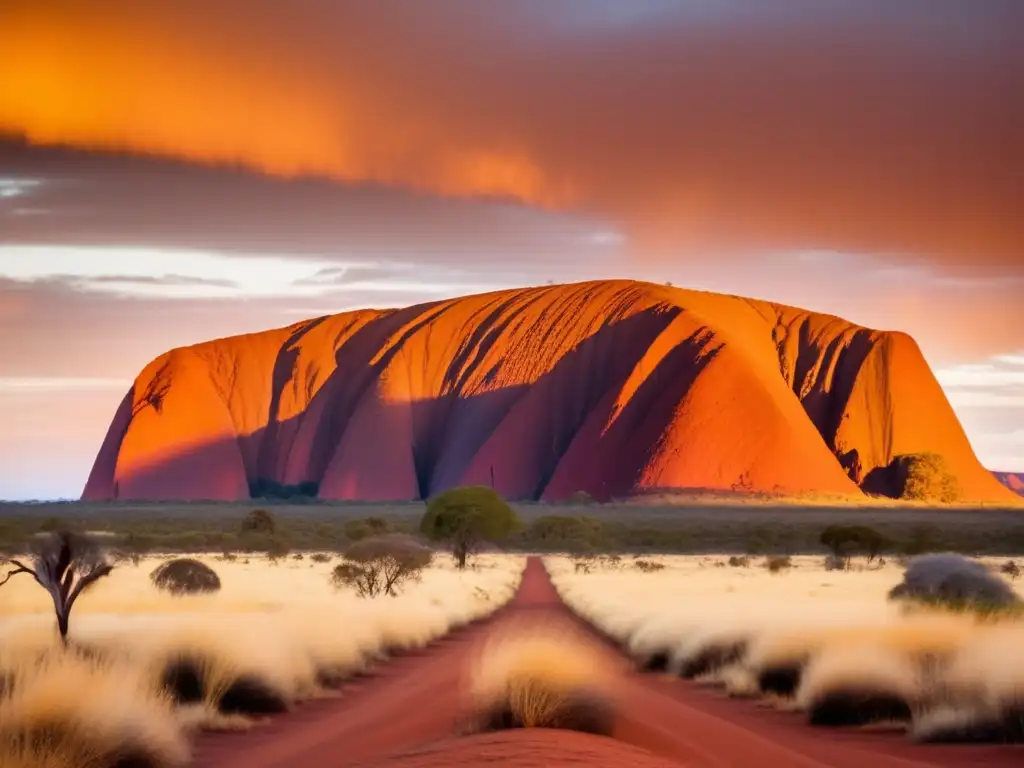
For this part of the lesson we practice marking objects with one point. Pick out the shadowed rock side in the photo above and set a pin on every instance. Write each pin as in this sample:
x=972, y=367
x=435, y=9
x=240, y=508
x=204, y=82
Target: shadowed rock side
x=608, y=387
x=1012, y=480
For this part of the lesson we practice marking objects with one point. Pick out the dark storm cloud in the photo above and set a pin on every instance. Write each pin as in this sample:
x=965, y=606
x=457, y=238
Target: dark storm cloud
x=95, y=199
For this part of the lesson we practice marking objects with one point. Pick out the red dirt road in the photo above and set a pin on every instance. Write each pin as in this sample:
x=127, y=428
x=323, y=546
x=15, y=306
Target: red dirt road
x=407, y=715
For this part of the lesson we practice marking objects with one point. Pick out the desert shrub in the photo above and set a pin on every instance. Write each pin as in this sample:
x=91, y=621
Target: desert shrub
x=583, y=564
x=569, y=533
x=843, y=541
x=836, y=563
x=65, y=564
x=276, y=547
x=954, y=582
x=185, y=576
x=381, y=565
x=741, y=561
x=467, y=517
x=259, y=521
x=648, y=566
x=320, y=557
x=926, y=477
x=778, y=563
x=362, y=528
x=1011, y=569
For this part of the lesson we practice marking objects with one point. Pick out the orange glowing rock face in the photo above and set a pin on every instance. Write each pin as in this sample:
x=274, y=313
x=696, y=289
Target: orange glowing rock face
x=611, y=387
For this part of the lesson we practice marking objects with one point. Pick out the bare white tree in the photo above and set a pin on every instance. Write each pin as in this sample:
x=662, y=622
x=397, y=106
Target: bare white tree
x=65, y=564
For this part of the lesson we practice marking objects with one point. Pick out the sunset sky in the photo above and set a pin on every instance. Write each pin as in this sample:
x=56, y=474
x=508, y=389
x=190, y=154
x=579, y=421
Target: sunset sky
x=172, y=172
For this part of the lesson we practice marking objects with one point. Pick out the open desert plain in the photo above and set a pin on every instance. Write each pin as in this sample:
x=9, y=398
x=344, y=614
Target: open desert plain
x=477, y=383
x=698, y=660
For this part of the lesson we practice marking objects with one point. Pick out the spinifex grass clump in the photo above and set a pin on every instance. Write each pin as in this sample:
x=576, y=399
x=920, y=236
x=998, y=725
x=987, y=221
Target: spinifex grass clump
x=859, y=685
x=710, y=654
x=194, y=677
x=954, y=582
x=940, y=660
x=63, y=709
x=545, y=680
x=185, y=576
x=979, y=697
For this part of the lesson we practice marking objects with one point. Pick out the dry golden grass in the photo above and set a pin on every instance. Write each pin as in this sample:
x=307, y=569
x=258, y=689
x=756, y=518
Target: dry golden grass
x=145, y=668
x=537, y=677
x=860, y=684
x=62, y=709
x=829, y=643
x=981, y=692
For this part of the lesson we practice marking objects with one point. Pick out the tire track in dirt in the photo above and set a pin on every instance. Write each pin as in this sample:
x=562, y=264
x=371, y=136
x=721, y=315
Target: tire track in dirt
x=406, y=713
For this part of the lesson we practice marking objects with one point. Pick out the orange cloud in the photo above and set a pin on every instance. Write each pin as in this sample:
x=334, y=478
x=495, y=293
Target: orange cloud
x=852, y=131
x=143, y=83
x=126, y=85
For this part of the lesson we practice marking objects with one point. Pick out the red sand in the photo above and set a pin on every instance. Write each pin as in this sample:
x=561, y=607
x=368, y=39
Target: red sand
x=607, y=387
x=408, y=715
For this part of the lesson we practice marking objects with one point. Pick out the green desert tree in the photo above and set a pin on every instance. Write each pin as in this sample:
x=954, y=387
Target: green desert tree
x=65, y=564
x=466, y=517
x=927, y=477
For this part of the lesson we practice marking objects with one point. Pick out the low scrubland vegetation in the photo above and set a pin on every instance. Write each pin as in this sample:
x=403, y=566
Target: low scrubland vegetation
x=156, y=652
x=191, y=528
x=930, y=644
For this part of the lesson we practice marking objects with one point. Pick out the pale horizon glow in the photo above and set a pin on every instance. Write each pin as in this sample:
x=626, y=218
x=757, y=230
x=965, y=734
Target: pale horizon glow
x=12, y=385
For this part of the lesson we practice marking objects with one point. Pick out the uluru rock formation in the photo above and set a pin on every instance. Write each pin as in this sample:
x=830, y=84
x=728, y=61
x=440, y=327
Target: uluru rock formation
x=611, y=387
